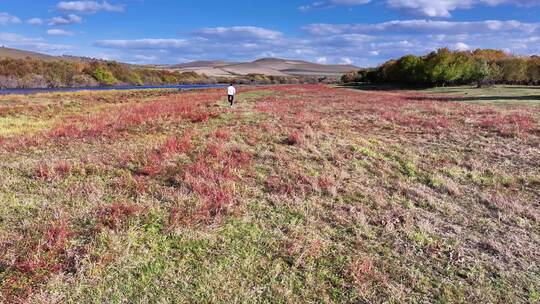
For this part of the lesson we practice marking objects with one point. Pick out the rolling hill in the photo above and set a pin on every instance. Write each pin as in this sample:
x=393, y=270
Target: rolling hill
x=266, y=66
x=6, y=52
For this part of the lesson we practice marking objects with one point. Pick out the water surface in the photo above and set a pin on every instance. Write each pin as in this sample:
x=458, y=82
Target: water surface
x=52, y=90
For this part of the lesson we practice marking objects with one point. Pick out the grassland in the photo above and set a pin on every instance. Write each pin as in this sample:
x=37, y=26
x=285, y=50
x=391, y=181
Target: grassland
x=297, y=194
x=509, y=94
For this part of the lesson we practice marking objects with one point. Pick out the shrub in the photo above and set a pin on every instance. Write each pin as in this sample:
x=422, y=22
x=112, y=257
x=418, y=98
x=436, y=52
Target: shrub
x=104, y=76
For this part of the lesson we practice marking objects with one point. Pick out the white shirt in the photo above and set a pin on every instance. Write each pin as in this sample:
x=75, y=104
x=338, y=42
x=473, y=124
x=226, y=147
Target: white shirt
x=231, y=90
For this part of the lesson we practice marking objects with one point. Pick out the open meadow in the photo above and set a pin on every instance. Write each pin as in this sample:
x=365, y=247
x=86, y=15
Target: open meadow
x=300, y=193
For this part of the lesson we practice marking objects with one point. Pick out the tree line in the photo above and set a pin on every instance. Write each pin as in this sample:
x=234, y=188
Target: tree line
x=37, y=73
x=445, y=67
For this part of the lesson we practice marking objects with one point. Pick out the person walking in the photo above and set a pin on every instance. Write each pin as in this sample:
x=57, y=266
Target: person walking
x=231, y=91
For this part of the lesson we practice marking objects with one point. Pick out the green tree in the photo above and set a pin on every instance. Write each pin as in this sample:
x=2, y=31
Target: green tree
x=514, y=70
x=481, y=72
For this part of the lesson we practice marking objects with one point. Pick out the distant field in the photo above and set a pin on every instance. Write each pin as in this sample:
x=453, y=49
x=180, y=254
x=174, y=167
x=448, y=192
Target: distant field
x=298, y=194
x=498, y=94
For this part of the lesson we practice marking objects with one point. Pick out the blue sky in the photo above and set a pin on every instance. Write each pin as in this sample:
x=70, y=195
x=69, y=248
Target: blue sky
x=362, y=32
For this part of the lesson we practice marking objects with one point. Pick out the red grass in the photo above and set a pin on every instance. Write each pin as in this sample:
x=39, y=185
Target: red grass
x=200, y=116
x=325, y=183
x=510, y=124
x=118, y=121
x=140, y=184
x=363, y=272
x=214, y=149
x=295, y=138
x=43, y=171
x=222, y=134
x=218, y=173
x=176, y=145
x=116, y=214
x=150, y=170
x=291, y=181
x=134, y=185
x=275, y=184
x=63, y=168
x=211, y=177
x=37, y=261
x=66, y=130
x=408, y=112
x=170, y=147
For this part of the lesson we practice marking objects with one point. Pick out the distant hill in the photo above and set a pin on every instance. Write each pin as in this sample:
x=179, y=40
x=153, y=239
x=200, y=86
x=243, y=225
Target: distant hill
x=266, y=66
x=6, y=52
x=199, y=64
x=21, y=54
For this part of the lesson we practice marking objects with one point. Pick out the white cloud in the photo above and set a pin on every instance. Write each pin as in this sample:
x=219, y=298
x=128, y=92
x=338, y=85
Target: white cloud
x=332, y=3
x=322, y=60
x=88, y=6
x=35, y=21
x=147, y=43
x=346, y=60
x=239, y=32
x=6, y=18
x=69, y=19
x=460, y=46
x=348, y=2
x=30, y=43
x=146, y=58
x=423, y=26
x=48, y=47
x=235, y=42
x=11, y=37
x=59, y=32
x=429, y=8
x=444, y=8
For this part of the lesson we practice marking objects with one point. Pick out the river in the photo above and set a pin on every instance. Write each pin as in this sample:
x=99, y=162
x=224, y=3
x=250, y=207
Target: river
x=53, y=90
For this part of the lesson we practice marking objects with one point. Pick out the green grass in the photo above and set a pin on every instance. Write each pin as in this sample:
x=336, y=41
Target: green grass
x=497, y=94
x=22, y=125
x=503, y=94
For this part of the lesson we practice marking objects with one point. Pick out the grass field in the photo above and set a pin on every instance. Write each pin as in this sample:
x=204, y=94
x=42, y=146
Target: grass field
x=298, y=194
x=496, y=94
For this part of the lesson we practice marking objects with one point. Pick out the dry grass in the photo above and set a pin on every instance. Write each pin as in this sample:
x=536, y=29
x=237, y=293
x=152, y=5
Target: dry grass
x=299, y=194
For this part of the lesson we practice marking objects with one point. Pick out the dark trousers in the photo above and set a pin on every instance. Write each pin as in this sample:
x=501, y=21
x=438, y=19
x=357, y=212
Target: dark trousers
x=231, y=99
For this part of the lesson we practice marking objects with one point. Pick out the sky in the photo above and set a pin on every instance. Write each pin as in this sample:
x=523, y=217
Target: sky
x=360, y=32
